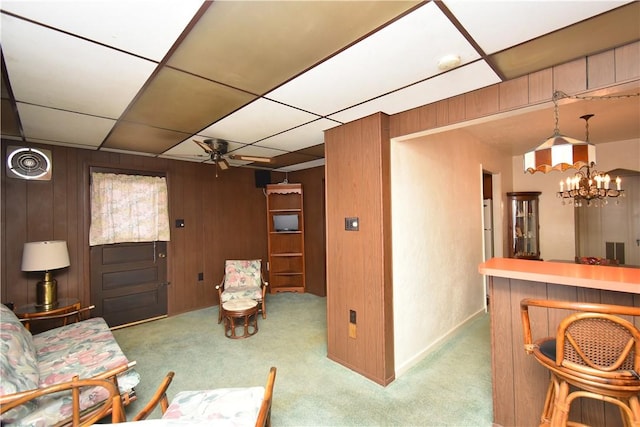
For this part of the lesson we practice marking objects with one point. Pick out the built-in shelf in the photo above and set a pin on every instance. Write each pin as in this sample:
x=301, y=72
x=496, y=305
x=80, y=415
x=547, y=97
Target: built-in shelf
x=286, y=247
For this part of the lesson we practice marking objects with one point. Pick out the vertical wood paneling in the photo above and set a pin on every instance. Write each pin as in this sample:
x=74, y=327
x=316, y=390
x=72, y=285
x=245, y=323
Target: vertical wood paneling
x=358, y=276
x=312, y=181
x=514, y=93
x=541, y=86
x=482, y=102
x=224, y=218
x=627, y=60
x=570, y=77
x=456, y=109
x=601, y=70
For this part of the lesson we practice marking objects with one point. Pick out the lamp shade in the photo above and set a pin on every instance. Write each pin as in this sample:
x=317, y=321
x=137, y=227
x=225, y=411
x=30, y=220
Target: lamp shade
x=45, y=256
x=559, y=153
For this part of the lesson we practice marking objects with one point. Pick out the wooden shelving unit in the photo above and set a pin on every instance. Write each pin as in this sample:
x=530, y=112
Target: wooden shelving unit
x=286, y=246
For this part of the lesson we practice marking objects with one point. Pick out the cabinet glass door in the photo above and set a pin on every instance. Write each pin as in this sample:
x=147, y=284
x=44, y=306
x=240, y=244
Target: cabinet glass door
x=524, y=227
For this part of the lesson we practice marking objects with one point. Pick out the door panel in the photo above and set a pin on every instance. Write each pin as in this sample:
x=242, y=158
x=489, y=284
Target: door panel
x=129, y=281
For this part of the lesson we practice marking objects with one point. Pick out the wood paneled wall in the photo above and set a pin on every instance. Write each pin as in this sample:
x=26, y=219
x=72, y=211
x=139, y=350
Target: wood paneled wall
x=224, y=218
x=314, y=227
x=359, y=262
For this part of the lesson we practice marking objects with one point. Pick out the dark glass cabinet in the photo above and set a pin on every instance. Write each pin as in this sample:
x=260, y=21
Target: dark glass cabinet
x=524, y=225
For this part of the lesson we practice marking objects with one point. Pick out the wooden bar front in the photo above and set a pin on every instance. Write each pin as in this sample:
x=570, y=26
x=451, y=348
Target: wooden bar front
x=519, y=382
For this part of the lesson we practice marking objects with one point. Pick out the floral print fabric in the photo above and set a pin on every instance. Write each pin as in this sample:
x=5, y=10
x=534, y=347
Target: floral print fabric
x=128, y=208
x=242, y=280
x=232, y=407
x=85, y=349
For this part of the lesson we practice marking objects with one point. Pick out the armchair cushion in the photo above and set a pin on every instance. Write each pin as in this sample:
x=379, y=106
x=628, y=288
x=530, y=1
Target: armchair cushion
x=242, y=273
x=228, y=406
x=18, y=363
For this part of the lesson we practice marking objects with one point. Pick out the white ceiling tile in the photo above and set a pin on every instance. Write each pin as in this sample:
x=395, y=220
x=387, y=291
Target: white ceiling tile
x=301, y=137
x=515, y=22
x=260, y=119
x=300, y=166
x=252, y=150
x=51, y=69
x=464, y=79
x=62, y=126
x=144, y=27
x=402, y=53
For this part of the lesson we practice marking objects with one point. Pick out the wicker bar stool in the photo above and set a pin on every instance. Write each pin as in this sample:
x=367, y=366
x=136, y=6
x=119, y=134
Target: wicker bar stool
x=595, y=355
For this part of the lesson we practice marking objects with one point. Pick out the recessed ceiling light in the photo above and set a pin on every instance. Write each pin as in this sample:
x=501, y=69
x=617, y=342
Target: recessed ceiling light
x=448, y=62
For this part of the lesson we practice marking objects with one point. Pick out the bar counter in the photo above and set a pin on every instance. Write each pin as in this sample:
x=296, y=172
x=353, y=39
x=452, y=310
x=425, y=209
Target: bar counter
x=519, y=382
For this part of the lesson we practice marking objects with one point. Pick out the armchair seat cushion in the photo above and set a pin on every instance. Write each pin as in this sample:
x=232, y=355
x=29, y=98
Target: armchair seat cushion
x=227, y=406
x=242, y=292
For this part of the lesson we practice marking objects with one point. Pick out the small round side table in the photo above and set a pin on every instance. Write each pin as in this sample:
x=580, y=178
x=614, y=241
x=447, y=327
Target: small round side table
x=240, y=312
x=29, y=311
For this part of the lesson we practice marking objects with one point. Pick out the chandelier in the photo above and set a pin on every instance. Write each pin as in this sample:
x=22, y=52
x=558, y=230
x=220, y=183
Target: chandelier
x=589, y=185
x=559, y=152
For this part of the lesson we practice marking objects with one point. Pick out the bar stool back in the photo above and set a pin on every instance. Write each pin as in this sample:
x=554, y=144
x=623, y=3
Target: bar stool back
x=595, y=354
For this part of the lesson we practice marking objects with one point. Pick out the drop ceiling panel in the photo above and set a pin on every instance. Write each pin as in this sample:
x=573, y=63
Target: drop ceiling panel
x=63, y=126
x=300, y=166
x=301, y=137
x=142, y=138
x=255, y=46
x=144, y=27
x=258, y=120
x=253, y=150
x=55, y=70
x=514, y=22
x=400, y=54
x=184, y=102
x=464, y=79
x=615, y=28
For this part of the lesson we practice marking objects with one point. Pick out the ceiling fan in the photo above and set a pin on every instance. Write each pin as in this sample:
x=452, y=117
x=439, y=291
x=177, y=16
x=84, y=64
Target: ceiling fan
x=217, y=148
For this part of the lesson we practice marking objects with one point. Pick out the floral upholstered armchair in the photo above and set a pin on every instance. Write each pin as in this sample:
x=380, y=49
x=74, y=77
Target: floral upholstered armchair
x=243, y=279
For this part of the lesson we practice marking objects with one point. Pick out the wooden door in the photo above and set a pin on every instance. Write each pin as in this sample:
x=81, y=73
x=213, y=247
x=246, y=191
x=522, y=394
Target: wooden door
x=129, y=281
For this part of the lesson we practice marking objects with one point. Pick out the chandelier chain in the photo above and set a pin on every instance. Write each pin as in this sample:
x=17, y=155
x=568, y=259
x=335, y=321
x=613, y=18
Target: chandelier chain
x=558, y=94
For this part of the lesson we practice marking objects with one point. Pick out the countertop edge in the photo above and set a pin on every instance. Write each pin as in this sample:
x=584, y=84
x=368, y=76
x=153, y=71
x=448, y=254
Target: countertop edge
x=587, y=276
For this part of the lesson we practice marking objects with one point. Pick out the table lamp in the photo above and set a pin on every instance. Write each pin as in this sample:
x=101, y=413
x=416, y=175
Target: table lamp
x=45, y=256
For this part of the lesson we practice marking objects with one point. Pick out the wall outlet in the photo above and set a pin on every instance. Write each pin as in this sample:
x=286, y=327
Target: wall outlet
x=352, y=330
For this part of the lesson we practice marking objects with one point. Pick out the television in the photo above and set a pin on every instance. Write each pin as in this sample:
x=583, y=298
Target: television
x=285, y=222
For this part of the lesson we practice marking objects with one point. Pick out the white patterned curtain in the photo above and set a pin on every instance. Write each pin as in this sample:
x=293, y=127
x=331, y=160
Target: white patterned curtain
x=128, y=208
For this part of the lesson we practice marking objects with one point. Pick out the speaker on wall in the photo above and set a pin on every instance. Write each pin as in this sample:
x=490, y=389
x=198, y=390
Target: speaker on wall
x=263, y=177
x=29, y=163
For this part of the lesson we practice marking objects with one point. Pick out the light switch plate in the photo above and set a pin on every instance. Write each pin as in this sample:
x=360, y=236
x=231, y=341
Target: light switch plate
x=352, y=223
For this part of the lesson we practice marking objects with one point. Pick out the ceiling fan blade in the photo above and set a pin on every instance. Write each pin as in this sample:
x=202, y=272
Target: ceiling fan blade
x=224, y=165
x=204, y=146
x=250, y=158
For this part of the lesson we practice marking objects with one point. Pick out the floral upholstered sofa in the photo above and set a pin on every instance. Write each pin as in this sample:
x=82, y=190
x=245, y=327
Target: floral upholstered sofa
x=87, y=349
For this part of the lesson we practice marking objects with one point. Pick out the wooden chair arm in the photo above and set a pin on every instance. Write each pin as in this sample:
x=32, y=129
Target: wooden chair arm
x=264, y=415
x=112, y=405
x=159, y=397
x=220, y=286
x=59, y=316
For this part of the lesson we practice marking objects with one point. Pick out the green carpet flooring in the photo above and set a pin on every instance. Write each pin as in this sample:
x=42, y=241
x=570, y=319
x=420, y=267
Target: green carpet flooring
x=450, y=387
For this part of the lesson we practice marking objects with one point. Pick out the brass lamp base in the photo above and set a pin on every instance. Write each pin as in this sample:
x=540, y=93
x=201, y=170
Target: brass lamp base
x=47, y=293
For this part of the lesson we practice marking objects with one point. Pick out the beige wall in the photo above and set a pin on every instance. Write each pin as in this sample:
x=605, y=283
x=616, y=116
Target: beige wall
x=557, y=224
x=436, y=187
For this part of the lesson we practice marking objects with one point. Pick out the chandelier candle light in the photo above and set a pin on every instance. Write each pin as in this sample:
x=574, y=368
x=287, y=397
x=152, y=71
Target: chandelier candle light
x=590, y=186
